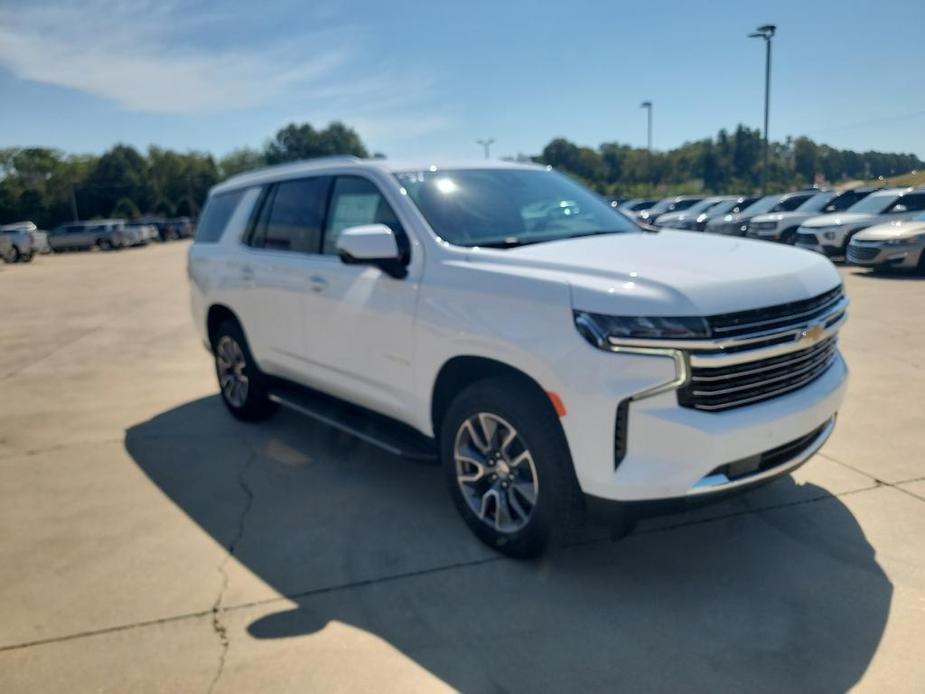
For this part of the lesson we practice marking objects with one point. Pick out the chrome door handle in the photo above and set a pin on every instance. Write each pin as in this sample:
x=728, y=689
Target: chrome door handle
x=318, y=283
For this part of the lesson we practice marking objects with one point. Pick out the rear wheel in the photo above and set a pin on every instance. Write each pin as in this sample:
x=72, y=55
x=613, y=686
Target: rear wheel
x=104, y=245
x=15, y=255
x=242, y=385
x=508, y=467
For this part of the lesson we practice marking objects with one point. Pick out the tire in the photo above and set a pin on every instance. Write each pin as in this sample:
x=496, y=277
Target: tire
x=498, y=509
x=920, y=268
x=15, y=255
x=26, y=258
x=104, y=245
x=789, y=236
x=242, y=386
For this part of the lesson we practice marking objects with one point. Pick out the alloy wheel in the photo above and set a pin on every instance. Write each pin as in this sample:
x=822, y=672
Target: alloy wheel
x=495, y=472
x=230, y=361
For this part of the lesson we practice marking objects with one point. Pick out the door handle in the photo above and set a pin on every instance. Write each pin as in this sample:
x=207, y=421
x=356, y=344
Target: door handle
x=247, y=273
x=318, y=283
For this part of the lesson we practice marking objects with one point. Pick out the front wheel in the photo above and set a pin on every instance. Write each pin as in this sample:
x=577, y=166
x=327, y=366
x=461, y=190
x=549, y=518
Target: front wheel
x=508, y=467
x=242, y=385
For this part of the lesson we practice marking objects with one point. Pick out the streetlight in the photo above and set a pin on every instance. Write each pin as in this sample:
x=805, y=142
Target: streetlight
x=765, y=32
x=486, y=145
x=648, y=106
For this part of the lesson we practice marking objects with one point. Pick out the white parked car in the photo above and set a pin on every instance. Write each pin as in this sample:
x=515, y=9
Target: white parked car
x=782, y=226
x=831, y=233
x=559, y=361
x=899, y=244
x=24, y=241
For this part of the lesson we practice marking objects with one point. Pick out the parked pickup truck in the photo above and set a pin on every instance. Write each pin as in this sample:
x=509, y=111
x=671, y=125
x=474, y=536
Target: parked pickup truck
x=559, y=361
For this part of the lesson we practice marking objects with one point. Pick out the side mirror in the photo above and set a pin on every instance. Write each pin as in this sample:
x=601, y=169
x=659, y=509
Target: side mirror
x=371, y=244
x=899, y=208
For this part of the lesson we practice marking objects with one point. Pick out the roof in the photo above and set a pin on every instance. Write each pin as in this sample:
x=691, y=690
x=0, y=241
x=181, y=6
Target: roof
x=308, y=166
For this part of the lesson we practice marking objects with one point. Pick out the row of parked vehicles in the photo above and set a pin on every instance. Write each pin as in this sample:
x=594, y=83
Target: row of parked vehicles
x=871, y=227
x=22, y=241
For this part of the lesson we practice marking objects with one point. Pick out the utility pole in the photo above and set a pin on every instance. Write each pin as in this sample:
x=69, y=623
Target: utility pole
x=486, y=146
x=765, y=32
x=648, y=106
x=74, y=205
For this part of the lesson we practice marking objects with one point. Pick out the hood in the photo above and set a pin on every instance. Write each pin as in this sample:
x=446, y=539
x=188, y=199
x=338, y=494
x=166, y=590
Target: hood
x=838, y=218
x=670, y=272
x=892, y=230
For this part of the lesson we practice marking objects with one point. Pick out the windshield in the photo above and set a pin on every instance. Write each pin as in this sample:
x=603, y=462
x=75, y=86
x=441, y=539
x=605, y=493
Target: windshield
x=508, y=207
x=873, y=204
x=762, y=205
x=702, y=206
x=816, y=203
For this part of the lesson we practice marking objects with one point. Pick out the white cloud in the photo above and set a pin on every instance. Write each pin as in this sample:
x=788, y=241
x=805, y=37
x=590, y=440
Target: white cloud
x=140, y=56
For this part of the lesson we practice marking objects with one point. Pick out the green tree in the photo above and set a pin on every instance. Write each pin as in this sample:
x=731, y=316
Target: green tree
x=295, y=142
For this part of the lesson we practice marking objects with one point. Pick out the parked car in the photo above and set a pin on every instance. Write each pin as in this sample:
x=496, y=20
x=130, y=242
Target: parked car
x=39, y=236
x=895, y=245
x=831, y=233
x=673, y=204
x=730, y=207
x=6, y=249
x=22, y=242
x=558, y=365
x=736, y=224
x=782, y=226
x=672, y=220
x=104, y=234
x=181, y=227
x=140, y=234
x=636, y=205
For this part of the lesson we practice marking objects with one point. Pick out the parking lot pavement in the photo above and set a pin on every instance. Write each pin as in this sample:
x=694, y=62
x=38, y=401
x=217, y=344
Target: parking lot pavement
x=151, y=543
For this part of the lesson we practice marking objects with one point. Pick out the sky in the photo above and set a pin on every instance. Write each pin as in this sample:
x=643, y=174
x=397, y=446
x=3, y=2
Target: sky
x=429, y=78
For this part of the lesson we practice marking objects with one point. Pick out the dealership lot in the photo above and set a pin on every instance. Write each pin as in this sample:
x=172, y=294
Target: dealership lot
x=152, y=543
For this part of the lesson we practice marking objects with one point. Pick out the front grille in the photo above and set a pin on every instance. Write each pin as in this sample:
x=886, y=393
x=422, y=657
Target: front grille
x=763, y=226
x=772, y=317
x=861, y=253
x=721, y=388
x=806, y=239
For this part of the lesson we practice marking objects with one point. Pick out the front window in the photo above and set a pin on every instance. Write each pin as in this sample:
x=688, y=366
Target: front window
x=790, y=203
x=816, y=203
x=873, y=204
x=508, y=207
x=762, y=205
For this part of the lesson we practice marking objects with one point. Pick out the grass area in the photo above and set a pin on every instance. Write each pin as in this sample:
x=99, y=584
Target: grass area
x=914, y=178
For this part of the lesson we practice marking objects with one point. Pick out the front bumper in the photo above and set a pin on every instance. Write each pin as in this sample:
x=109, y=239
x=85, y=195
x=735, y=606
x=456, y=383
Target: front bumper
x=669, y=449
x=874, y=254
x=811, y=243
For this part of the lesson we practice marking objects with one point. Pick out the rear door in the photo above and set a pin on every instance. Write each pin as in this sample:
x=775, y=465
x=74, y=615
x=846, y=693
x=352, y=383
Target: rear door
x=275, y=271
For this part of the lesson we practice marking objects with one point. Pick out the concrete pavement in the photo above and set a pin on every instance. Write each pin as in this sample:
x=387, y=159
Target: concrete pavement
x=149, y=542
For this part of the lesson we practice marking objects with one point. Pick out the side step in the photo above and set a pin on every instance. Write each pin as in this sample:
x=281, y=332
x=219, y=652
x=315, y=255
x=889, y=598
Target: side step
x=375, y=429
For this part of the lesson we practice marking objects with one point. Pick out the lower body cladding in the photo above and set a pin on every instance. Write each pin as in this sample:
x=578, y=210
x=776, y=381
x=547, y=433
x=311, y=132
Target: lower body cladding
x=651, y=455
x=876, y=254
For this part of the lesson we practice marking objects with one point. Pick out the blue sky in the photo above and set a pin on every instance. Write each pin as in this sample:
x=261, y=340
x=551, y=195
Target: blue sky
x=425, y=79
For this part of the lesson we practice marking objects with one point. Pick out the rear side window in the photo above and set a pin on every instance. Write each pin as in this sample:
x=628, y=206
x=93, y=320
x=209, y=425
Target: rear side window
x=913, y=201
x=296, y=215
x=215, y=216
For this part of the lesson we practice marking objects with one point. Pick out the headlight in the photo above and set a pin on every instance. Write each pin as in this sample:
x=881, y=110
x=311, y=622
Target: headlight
x=828, y=235
x=597, y=328
x=897, y=242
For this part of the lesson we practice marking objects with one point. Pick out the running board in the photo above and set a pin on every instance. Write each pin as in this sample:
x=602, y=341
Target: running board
x=375, y=429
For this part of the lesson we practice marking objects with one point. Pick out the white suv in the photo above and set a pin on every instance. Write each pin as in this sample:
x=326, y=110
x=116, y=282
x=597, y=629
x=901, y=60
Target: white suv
x=558, y=360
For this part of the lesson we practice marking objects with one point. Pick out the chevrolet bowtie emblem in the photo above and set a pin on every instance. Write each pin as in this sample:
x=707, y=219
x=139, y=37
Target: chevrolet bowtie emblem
x=812, y=334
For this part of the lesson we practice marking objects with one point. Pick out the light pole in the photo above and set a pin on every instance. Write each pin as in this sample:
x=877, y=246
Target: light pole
x=765, y=32
x=648, y=106
x=486, y=145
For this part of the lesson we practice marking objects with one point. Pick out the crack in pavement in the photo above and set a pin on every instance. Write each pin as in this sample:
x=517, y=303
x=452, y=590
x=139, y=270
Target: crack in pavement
x=880, y=482
x=218, y=608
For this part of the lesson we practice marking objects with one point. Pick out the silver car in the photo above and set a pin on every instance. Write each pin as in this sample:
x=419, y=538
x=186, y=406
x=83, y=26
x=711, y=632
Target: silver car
x=22, y=243
x=104, y=234
x=899, y=244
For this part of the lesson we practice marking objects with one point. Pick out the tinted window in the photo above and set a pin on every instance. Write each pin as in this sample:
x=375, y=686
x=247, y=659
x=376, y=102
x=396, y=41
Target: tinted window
x=507, y=207
x=913, y=202
x=791, y=203
x=356, y=201
x=296, y=213
x=215, y=216
x=843, y=201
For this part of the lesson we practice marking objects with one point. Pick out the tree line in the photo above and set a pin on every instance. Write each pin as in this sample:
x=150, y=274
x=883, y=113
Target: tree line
x=48, y=186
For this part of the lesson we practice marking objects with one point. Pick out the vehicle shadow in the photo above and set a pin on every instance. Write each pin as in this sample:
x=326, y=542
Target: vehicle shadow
x=780, y=599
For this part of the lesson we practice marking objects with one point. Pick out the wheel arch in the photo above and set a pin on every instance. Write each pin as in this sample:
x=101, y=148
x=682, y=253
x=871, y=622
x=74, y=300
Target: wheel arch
x=460, y=372
x=215, y=316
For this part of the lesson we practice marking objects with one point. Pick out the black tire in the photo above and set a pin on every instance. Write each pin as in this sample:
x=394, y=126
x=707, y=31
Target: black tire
x=104, y=245
x=920, y=268
x=789, y=236
x=558, y=509
x=26, y=258
x=255, y=403
x=15, y=255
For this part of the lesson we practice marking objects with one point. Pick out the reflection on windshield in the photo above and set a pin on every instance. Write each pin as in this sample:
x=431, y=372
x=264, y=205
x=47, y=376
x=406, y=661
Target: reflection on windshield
x=508, y=207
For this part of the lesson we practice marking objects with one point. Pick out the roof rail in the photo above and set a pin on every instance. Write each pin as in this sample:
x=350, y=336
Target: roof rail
x=333, y=159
